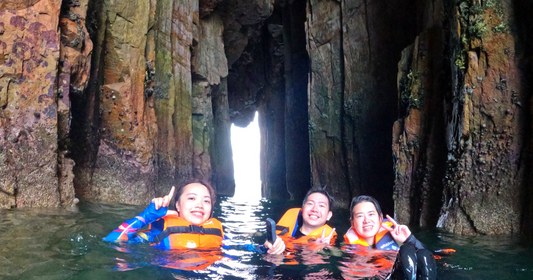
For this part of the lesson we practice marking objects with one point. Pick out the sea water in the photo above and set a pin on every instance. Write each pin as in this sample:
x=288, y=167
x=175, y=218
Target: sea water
x=59, y=243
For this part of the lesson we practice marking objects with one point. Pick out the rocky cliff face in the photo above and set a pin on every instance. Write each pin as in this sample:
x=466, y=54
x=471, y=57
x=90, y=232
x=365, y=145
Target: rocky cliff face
x=34, y=105
x=464, y=141
x=118, y=100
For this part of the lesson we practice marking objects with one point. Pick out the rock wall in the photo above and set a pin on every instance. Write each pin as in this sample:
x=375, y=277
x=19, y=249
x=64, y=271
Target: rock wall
x=354, y=47
x=118, y=100
x=464, y=143
x=34, y=107
x=486, y=127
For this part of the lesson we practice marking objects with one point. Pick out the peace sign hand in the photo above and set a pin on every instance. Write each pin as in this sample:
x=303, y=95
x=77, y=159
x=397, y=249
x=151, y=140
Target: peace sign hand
x=163, y=201
x=325, y=240
x=398, y=232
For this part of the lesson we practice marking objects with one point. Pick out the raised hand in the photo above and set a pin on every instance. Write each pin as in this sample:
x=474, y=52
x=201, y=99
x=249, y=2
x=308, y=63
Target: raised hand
x=277, y=248
x=163, y=201
x=398, y=232
x=325, y=240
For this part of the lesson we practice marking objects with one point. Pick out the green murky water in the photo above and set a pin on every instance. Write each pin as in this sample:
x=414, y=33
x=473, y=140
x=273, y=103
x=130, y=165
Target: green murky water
x=67, y=244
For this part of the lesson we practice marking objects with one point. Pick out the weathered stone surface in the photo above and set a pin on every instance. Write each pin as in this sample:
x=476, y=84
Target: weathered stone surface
x=524, y=53
x=296, y=69
x=325, y=96
x=418, y=139
x=246, y=83
x=271, y=118
x=374, y=33
x=208, y=58
x=126, y=118
x=67, y=194
x=243, y=29
x=486, y=171
x=173, y=99
x=74, y=73
x=209, y=65
x=248, y=12
x=222, y=157
x=29, y=53
x=207, y=6
x=202, y=130
x=15, y=5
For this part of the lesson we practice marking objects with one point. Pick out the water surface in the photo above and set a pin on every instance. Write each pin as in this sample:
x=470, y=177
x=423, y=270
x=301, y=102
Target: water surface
x=67, y=244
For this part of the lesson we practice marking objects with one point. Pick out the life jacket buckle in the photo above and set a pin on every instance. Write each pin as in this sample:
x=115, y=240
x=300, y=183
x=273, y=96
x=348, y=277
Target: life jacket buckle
x=196, y=229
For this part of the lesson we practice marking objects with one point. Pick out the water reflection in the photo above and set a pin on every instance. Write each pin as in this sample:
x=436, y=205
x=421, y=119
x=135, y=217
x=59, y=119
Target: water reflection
x=362, y=263
x=67, y=244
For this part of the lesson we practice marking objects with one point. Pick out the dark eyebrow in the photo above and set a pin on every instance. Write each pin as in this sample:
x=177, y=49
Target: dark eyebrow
x=371, y=211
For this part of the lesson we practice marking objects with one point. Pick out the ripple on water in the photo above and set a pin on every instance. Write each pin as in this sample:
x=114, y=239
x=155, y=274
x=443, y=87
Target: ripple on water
x=67, y=244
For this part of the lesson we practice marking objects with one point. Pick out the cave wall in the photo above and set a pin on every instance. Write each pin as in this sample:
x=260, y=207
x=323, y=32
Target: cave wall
x=34, y=101
x=354, y=47
x=117, y=101
x=463, y=143
x=486, y=128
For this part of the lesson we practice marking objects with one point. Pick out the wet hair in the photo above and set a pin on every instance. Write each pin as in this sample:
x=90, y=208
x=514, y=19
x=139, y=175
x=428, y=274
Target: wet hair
x=322, y=191
x=180, y=189
x=364, y=198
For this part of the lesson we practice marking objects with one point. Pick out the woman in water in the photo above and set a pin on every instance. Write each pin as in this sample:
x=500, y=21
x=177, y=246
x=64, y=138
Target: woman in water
x=190, y=226
x=414, y=260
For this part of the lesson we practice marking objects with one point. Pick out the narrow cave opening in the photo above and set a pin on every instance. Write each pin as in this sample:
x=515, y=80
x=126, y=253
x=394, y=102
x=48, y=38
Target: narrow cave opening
x=245, y=143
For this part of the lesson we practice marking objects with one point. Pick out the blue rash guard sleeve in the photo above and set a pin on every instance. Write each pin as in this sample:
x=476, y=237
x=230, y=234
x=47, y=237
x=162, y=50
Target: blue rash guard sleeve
x=129, y=230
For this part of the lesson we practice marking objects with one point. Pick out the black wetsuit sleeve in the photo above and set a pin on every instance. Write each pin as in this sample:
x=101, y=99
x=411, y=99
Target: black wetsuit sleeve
x=411, y=240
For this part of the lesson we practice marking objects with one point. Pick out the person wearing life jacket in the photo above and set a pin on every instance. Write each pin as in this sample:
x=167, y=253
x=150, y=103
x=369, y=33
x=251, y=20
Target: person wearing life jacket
x=190, y=226
x=308, y=224
x=368, y=229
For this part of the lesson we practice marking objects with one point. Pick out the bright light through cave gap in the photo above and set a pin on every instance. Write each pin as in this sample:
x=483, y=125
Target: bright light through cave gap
x=245, y=143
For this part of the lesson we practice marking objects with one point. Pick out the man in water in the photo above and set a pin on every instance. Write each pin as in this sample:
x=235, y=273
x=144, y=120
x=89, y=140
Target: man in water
x=308, y=224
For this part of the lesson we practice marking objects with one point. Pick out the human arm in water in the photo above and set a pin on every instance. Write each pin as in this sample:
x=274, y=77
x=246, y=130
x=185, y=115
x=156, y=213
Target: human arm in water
x=414, y=260
x=129, y=230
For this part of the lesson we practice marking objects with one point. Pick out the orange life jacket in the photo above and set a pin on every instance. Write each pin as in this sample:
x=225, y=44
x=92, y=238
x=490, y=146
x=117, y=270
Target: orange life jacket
x=288, y=225
x=178, y=233
x=383, y=239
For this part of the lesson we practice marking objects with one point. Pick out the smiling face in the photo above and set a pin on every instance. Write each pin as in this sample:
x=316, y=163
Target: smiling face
x=366, y=221
x=315, y=213
x=194, y=204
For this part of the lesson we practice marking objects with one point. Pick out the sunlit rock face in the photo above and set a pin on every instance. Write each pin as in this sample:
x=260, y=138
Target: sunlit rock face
x=118, y=160
x=119, y=100
x=32, y=115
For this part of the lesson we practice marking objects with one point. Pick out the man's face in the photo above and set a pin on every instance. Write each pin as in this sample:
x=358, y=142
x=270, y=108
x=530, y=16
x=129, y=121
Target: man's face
x=365, y=220
x=315, y=211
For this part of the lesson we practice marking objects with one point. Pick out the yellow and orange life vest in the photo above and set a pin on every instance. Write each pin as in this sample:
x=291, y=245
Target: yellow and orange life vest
x=288, y=225
x=178, y=233
x=383, y=239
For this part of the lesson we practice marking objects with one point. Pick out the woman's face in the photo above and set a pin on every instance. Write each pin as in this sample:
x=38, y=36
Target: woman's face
x=366, y=221
x=194, y=204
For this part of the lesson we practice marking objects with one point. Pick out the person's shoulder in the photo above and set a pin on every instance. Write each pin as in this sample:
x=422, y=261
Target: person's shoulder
x=172, y=213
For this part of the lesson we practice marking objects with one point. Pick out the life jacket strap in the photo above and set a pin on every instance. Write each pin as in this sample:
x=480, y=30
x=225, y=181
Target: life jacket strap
x=283, y=229
x=184, y=229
